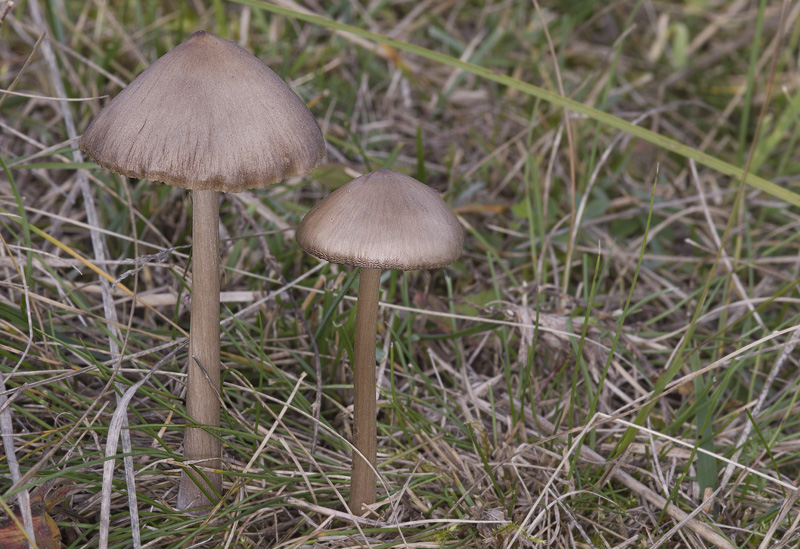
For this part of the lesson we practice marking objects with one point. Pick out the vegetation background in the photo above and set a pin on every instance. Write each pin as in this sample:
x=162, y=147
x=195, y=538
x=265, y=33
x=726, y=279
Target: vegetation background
x=627, y=174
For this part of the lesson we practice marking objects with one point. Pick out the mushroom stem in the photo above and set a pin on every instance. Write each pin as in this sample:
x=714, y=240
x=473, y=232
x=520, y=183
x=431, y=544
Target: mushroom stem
x=365, y=431
x=203, y=385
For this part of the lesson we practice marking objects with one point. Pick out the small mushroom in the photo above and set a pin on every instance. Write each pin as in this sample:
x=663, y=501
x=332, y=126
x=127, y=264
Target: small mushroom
x=381, y=220
x=210, y=117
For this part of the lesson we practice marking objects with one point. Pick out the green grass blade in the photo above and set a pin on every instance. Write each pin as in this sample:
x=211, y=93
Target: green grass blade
x=658, y=140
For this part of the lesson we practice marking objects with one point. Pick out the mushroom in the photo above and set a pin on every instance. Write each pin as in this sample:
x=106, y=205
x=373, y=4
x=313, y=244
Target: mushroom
x=210, y=117
x=381, y=220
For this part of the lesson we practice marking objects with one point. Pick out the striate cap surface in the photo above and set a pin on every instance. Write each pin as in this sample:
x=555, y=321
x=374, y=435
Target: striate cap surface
x=207, y=115
x=383, y=220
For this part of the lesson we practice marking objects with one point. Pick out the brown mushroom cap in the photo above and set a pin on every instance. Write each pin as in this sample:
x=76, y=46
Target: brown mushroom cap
x=207, y=115
x=383, y=220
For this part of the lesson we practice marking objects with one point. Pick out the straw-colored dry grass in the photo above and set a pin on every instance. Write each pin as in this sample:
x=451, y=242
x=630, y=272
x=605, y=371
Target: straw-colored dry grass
x=611, y=363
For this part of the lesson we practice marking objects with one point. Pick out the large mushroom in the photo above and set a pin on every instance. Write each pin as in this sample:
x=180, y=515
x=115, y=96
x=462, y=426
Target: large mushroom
x=210, y=117
x=381, y=220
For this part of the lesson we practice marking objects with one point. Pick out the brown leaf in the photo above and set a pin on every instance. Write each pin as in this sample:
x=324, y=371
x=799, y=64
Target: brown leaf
x=44, y=528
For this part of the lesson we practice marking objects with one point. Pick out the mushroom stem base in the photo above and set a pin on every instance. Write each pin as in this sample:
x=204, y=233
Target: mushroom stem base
x=365, y=431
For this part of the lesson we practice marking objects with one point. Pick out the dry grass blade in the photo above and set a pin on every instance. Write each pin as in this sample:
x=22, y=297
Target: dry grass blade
x=660, y=502
x=99, y=247
x=117, y=423
x=787, y=351
x=6, y=422
x=7, y=432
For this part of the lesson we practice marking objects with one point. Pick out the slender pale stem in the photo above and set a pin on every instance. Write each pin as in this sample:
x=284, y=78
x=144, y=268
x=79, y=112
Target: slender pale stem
x=365, y=431
x=203, y=385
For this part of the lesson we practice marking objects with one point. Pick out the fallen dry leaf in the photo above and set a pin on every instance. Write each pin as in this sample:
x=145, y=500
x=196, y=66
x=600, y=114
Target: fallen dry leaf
x=44, y=528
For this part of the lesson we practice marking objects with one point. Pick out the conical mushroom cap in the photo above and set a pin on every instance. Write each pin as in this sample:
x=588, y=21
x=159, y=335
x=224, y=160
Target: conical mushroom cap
x=206, y=115
x=383, y=220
